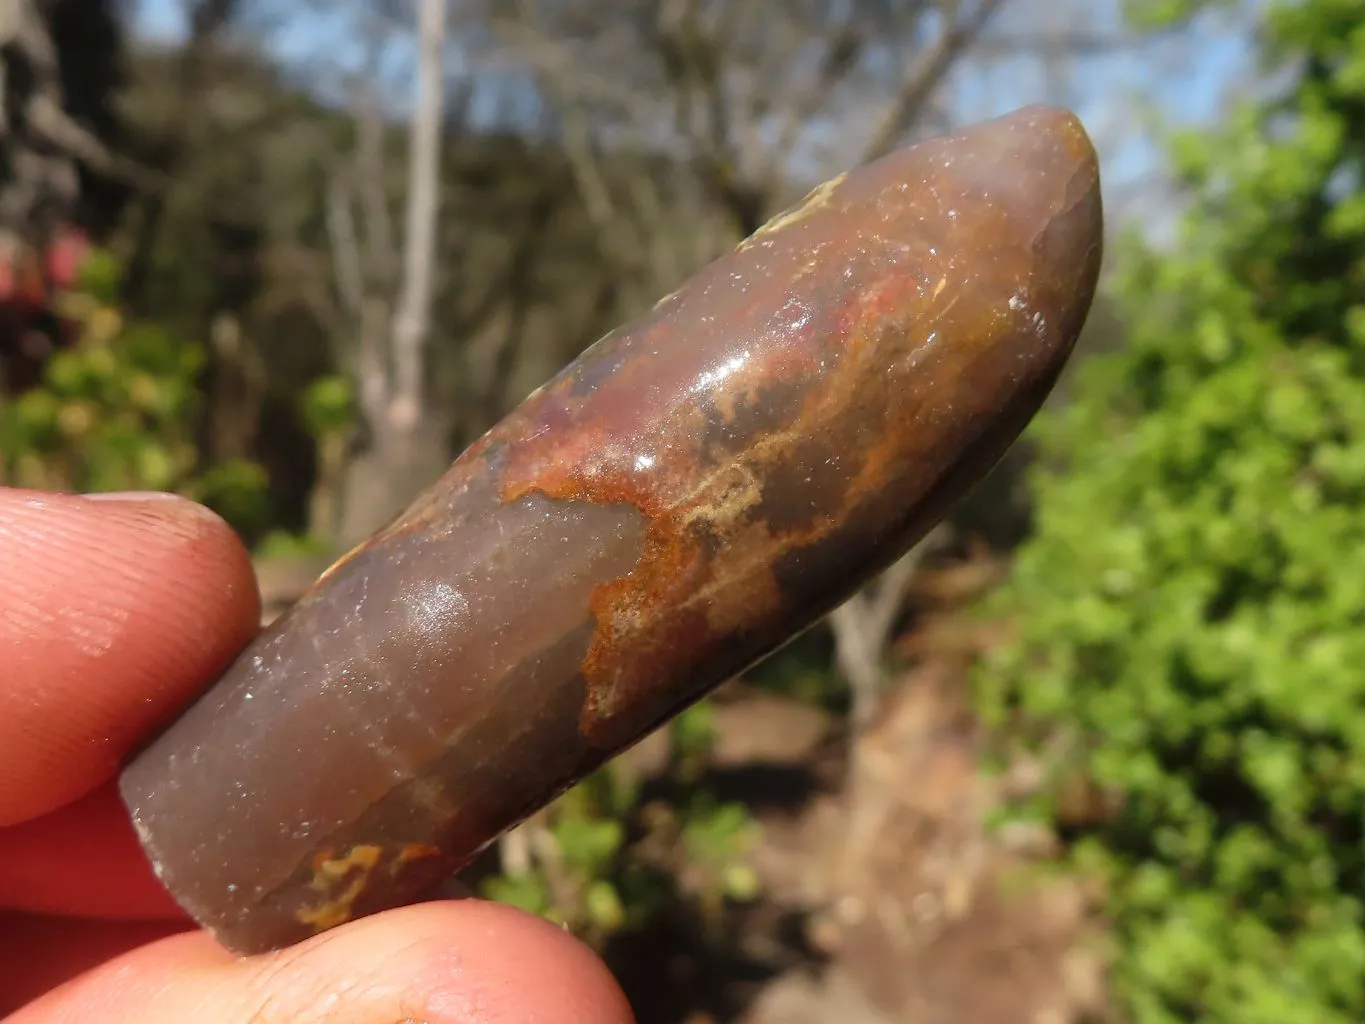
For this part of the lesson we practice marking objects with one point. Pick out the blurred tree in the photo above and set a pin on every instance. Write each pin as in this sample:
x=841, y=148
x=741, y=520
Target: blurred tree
x=60, y=64
x=385, y=280
x=1192, y=610
x=282, y=238
x=224, y=252
x=164, y=144
x=284, y=209
x=60, y=173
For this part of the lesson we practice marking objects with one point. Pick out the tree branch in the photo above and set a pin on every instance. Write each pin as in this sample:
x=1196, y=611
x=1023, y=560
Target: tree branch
x=412, y=313
x=862, y=628
x=919, y=86
x=345, y=245
x=380, y=251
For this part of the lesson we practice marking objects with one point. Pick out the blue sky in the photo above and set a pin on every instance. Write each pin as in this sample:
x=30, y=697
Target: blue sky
x=163, y=19
x=159, y=18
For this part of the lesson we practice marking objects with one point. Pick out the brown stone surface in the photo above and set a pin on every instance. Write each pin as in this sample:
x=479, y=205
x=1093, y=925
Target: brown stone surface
x=698, y=487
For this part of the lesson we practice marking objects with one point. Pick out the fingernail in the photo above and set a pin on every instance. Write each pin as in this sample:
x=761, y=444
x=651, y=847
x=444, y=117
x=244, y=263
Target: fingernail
x=166, y=509
x=131, y=496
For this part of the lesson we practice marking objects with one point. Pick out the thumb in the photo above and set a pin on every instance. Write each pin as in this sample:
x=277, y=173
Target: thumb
x=466, y=962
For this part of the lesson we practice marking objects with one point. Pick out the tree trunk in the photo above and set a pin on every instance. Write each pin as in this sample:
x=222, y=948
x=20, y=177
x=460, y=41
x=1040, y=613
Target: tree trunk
x=409, y=446
x=382, y=480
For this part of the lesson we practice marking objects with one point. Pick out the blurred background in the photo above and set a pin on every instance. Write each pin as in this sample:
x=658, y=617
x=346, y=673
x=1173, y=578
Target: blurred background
x=1094, y=751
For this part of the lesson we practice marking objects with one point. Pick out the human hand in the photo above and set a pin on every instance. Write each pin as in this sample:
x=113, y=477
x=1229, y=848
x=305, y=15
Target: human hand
x=114, y=613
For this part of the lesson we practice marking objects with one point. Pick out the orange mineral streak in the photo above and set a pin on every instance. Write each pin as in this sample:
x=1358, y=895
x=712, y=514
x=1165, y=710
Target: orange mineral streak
x=875, y=347
x=679, y=596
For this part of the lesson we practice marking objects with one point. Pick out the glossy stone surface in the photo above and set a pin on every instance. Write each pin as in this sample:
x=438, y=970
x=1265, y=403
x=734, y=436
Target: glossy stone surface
x=696, y=489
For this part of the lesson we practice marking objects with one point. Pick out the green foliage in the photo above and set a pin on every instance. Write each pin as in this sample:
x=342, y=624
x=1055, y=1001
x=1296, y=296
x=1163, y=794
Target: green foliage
x=577, y=874
x=118, y=410
x=802, y=671
x=1192, y=607
x=99, y=278
x=602, y=859
x=328, y=406
x=235, y=489
x=1160, y=14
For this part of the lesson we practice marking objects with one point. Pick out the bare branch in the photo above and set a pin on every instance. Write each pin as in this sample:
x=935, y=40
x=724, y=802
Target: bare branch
x=1057, y=43
x=843, y=46
x=862, y=628
x=649, y=206
x=932, y=67
x=412, y=314
x=380, y=250
x=587, y=173
x=345, y=246
x=575, y=81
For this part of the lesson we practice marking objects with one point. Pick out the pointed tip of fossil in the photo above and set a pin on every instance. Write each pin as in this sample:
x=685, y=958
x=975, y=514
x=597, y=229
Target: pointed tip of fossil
x=1035, y=155
x=1038, y=165
x=1056, y=152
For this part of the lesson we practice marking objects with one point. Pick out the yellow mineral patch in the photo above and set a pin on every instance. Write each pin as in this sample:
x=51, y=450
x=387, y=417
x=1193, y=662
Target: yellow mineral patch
x=329, y=870
x=328, y=873
x=667, y=299
x=340, y=562
x=816, y=198
x=333, y=912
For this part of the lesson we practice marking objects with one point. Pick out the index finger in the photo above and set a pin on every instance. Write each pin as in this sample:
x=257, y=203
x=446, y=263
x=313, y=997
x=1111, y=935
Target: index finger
x=115, y=611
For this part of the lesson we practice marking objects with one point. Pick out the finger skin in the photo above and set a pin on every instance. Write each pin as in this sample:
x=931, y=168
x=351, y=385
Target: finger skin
x=114, y=614
x=436, y=963
x=40, y=953
x=82, y=860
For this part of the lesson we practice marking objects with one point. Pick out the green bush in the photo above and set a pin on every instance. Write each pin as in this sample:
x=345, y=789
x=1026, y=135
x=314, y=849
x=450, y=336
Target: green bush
x=1191, y=610
x=118, y=410
x=602, y=860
